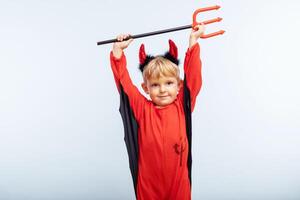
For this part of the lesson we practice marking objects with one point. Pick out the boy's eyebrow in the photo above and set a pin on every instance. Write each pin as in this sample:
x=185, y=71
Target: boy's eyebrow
x=170, y=79
x=152, y=83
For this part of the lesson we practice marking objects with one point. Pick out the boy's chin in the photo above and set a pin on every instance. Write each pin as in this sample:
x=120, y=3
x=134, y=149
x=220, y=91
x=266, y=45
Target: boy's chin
x=163, y=104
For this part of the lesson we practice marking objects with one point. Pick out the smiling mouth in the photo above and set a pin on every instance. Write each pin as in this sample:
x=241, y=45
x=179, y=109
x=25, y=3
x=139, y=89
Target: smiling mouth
x=163, y=96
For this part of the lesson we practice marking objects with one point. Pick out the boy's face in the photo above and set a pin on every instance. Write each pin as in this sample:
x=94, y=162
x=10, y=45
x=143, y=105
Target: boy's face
x=163, y=91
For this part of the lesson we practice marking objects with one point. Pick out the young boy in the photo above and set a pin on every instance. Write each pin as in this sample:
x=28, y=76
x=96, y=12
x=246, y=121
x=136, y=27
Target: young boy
x=158, y=131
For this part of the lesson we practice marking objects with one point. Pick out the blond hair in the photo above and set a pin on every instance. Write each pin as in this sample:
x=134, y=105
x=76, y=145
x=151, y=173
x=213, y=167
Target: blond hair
x=159, y=67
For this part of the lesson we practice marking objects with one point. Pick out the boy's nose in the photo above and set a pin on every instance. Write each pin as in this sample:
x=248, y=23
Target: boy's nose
x=162, y=89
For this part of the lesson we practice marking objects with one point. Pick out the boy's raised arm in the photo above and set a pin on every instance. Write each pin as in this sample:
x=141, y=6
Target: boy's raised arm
x=122, y=78
x=192, y=64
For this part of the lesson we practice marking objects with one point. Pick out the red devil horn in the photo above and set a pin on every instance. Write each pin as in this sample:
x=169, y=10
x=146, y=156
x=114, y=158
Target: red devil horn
x=142, y=54
x=173, y=49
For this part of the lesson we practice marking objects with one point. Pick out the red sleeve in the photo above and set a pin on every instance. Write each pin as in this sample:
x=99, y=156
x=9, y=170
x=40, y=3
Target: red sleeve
x=122, y=78
x=192, y=72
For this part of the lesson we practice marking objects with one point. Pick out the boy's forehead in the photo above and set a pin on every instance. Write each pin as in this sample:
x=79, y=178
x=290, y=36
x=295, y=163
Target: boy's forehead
x=162, y=78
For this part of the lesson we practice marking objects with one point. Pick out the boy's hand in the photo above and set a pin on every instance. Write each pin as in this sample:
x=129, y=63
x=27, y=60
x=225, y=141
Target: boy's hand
x=122, y=44
x=196, y=34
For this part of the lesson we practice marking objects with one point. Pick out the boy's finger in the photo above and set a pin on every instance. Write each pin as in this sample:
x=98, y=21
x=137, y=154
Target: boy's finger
x=127, y=37
x=130, y=40
x=119, y=38
x=123, y=37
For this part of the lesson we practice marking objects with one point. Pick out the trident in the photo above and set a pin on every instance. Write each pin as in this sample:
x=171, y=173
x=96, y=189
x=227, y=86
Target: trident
x=218, y=19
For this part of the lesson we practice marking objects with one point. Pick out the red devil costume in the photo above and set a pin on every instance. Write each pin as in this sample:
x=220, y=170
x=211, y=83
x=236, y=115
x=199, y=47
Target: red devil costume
x=159, y=140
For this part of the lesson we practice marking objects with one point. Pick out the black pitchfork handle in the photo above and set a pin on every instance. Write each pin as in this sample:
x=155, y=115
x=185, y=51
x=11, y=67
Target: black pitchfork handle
x=147, y=34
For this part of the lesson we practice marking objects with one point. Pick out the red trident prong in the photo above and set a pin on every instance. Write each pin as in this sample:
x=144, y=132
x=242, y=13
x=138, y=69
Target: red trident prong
x=195, y=23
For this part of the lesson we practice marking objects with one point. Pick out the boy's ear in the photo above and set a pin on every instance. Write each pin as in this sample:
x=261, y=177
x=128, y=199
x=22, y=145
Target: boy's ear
x=145, y=88
x=180, y=84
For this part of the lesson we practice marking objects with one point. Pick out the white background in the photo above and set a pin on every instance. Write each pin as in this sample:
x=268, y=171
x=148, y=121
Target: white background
x=61, y=135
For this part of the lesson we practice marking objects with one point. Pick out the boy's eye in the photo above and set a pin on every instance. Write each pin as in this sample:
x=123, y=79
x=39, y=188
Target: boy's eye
x=169, y=82
x=154, y=85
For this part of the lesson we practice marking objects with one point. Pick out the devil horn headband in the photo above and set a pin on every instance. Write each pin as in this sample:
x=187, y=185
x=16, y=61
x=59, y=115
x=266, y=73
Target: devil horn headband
x=171, y=55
